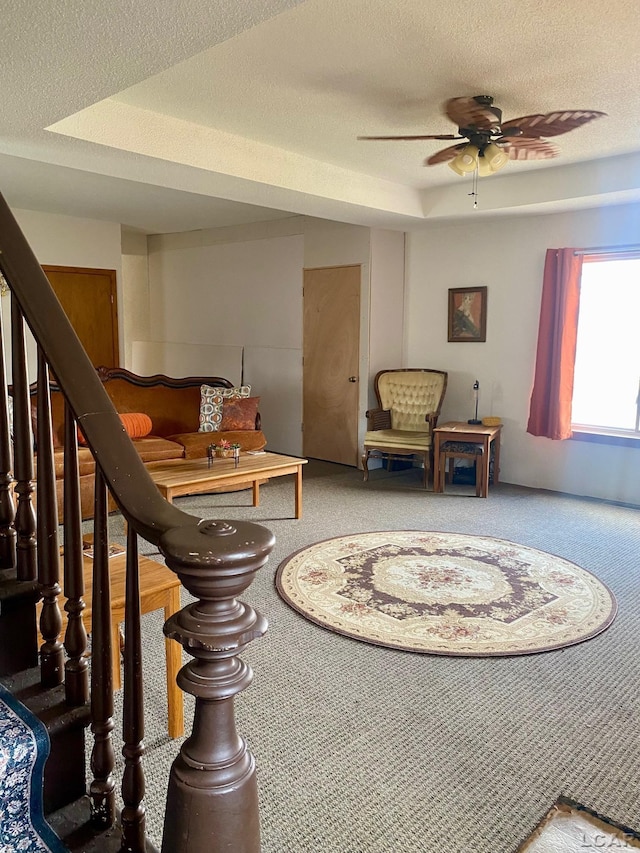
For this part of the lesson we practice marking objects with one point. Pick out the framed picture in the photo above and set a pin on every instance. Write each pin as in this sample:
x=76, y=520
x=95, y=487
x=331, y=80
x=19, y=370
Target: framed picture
x=467, y=314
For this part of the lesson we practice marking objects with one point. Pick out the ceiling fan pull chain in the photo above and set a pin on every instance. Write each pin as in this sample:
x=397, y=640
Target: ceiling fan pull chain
x=474, y=189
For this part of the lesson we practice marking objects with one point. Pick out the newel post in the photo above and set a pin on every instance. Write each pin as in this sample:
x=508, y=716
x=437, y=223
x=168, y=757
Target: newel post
x=212, y=799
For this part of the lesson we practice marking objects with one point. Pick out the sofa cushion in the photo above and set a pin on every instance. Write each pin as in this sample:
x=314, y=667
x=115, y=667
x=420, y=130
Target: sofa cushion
x=211, y=404
x=152, y=448
x=239, y=413
x=240, y=391
x=196, y=443
x=86, y=463
x=405, y=438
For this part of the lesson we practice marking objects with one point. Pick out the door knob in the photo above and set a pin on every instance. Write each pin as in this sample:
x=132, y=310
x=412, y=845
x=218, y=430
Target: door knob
x=353, y=379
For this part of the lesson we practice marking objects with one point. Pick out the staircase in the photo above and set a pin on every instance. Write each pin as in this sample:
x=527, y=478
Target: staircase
x=212, y=802
x=24, y=747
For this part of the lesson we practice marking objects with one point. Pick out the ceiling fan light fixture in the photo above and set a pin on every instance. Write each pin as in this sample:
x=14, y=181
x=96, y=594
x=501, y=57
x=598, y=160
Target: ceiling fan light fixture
x=454, y=166
x=466, y=160
x=495, y=156
x=484, y=167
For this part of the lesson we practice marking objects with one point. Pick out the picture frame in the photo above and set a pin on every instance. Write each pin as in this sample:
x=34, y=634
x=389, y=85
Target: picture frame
x=467, y=315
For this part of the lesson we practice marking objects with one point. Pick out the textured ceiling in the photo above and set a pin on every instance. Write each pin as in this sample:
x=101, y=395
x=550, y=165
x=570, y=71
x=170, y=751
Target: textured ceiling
x=169, y=116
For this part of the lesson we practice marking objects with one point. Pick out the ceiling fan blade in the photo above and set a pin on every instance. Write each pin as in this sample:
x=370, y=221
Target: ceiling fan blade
x=551, y=124
x=467, y=112
x=443, y=155
x=521, y=148
x=437, y=136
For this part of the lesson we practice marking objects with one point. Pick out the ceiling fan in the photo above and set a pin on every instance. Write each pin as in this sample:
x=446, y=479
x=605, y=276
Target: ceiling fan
x=490, y=144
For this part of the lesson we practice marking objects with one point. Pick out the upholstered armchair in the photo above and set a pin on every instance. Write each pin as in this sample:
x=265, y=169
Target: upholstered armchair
x=409, y=402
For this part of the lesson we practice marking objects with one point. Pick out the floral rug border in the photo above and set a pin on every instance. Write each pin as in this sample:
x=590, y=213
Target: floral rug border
x=445, y=593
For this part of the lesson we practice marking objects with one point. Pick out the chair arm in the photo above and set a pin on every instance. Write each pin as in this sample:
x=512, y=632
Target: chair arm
x=432, y=420
x=378, y=419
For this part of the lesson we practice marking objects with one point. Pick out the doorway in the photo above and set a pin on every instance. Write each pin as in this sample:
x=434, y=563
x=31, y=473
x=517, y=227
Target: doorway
x=330, y=373
x=89, y=299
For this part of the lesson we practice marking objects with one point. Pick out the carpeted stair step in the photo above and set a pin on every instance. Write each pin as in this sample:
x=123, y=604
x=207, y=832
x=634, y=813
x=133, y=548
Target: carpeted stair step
x=18, y=638
x=24, y=748
x=64, y=775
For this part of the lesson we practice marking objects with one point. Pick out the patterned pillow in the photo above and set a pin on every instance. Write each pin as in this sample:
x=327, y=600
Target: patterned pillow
x=241, y=391
x=239, y=413
x=210, y=409
x=211, y=400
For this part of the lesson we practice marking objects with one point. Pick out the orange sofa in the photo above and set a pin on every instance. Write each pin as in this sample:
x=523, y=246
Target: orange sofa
x=173, y=408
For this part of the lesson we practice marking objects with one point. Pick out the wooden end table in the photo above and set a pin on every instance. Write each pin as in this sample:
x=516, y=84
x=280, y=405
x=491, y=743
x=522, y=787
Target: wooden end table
x=472, y=434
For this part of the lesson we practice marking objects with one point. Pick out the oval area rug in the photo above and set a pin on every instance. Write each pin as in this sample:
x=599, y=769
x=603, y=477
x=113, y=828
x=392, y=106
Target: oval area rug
x=445, y=593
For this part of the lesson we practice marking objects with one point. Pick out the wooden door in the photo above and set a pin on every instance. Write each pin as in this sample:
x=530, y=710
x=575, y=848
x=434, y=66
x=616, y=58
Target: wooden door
x=88, y=297
x=331, y=347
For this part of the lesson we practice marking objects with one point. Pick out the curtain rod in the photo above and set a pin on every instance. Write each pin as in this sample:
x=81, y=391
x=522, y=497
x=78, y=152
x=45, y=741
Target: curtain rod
x=607, y=250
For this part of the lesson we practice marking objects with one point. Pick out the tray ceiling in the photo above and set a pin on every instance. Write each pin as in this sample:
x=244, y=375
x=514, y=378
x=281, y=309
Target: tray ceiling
x=211, y=115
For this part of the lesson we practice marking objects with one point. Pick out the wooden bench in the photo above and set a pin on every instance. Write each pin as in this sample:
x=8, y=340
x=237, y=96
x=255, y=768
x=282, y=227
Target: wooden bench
x=159, y=588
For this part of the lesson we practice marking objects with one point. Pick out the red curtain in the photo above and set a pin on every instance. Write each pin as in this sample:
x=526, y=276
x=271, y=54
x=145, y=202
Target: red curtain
x=550, y=409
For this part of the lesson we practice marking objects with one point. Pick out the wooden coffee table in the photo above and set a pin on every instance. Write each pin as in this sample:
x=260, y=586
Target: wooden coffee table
x=178, y=477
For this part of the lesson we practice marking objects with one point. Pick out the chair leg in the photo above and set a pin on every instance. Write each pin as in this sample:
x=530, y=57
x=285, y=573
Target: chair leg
x=425, y=482
x=365, y=465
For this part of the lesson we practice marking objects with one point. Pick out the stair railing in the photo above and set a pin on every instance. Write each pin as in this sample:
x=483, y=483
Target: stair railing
x=212, y=802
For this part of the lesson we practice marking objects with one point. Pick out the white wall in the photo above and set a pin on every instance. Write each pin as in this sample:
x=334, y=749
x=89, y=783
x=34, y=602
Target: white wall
x=234, y=296
x=133, y=308
x=69, y=241
x=386, y=337
x=507, y=255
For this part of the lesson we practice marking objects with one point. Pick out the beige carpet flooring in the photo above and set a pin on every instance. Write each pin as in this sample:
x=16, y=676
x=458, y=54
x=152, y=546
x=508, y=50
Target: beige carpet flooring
x=364, y=749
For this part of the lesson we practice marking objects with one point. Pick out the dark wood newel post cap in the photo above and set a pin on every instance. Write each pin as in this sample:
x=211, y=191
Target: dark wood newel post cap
x=217, y=559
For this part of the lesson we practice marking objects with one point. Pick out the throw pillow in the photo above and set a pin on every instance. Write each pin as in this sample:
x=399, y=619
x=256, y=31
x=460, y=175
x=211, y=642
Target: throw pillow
x=136, y=425
x=241, y=391
x=210, y=409
x=211, y=400
x=239, y=413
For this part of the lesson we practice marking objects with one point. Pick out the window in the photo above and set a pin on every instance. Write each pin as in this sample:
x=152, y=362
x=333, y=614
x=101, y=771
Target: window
x=606, y=393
